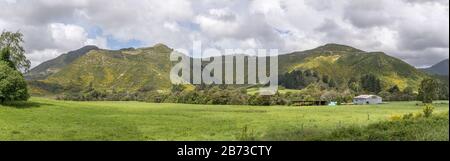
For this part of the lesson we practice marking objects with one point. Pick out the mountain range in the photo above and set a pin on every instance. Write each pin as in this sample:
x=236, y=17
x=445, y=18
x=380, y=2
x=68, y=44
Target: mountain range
x=342, y=63
x=440, y=68
x=52, y=66
x=144, y=69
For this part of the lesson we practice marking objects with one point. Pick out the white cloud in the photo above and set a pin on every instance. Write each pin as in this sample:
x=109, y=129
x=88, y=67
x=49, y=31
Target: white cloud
x=64, y=38
x=172, y=26
x=100, y=42
x=39, y=56
x=218, y=23
x=67, y=36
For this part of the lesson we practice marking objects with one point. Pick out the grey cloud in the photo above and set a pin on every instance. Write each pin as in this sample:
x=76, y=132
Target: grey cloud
x=443, y=2
x=320, y=5
x=366, y=14
x=331, y=29
x=38, y=13
x=414, y=30
x=411, y=38
x=424, y=58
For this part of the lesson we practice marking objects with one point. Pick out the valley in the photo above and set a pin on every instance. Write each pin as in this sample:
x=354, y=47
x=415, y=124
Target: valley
x=143, y=74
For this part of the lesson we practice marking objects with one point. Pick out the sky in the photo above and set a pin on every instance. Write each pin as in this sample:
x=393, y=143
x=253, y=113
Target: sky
x=416, y=31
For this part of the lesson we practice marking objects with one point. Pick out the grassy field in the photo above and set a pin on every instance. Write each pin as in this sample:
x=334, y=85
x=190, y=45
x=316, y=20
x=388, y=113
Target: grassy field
x=434, y=128
x=47, y=119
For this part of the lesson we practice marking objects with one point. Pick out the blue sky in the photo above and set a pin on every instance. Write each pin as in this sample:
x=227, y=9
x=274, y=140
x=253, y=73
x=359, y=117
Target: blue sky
x=116, y=44
x=113, y=43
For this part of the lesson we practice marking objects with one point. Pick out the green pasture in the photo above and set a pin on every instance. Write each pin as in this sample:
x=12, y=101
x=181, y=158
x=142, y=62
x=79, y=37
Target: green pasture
x=48, y=119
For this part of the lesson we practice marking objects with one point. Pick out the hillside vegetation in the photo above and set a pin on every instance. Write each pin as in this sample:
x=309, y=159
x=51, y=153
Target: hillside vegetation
x=115, y=71
x=343, y=63
x=440, y=68
x=144, y=73
x=52, y=66
x=435, y=128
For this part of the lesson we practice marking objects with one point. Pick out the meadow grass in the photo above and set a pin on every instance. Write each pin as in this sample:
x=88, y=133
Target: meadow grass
x=47, y=119
x=433, y=128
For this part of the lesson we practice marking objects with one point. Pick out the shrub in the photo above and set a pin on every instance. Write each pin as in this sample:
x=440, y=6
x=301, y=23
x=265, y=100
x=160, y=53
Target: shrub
x=12, y=84
x=260, y=100
x=428, y=110
x=247, y=134
x=434, y=128
x=408, y=116
x=395, y=117
x=418, y=115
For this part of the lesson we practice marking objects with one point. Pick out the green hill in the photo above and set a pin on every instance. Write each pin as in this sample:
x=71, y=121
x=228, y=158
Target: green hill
x=440, y=68
x=147, y=69
x=342, y=62
x=52, y=66
x=124, y=70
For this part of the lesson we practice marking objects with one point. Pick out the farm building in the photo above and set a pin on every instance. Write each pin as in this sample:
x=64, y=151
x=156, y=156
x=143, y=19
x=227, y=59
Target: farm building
x=308, y=103
x=367, y=99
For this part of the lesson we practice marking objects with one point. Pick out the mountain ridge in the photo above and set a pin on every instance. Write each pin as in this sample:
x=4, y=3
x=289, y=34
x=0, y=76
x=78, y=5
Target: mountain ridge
x=440, y=68
x=351, y=62
x=148, y=68
x=52, y=66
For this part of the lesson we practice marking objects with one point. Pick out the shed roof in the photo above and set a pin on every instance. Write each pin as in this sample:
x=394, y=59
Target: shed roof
x=367, y=96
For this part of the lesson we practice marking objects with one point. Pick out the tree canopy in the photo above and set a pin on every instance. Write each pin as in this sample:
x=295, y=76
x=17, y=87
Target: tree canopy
x=371, y=83
x=13, y=42
x=428, y=90
x=5, y=55
x=13, y=86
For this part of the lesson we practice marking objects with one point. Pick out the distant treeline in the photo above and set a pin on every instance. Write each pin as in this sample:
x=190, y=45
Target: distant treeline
x=309, y=85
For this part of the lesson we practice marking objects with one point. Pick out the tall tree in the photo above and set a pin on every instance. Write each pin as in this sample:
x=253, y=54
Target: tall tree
x=428, y=90
x=13, y=86
x=371, y=83
x=5, y=55
x=13, y=41
x=394, y=89
x=354, y=85
x=331, y=83
x=325, y=78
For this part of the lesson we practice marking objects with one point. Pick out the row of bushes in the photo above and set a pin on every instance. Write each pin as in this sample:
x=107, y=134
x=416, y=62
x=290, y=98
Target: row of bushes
x=217, y=95
x=96, y=95
x=423, y=126
x=232, y=95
